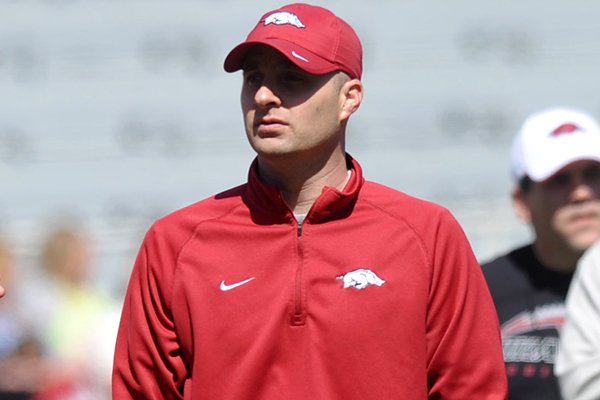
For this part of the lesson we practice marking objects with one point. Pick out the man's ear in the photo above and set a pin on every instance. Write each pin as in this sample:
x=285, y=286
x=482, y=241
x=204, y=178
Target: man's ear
x=520, y=204
x=352, y=92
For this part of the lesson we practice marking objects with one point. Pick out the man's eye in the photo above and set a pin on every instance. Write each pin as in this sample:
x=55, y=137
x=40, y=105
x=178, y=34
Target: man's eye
x=252, y=78
x=293, y=78
x=561, y=180
x=592, y=173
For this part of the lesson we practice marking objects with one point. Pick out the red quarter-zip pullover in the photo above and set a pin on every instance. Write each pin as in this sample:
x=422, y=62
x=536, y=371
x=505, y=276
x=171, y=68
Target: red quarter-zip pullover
x=377, y=297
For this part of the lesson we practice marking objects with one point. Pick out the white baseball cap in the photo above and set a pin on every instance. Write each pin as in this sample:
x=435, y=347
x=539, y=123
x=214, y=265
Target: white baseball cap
x=550, y=140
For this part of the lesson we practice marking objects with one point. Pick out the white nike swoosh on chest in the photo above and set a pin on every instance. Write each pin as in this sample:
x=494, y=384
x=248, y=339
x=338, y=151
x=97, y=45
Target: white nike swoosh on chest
x=224, y=287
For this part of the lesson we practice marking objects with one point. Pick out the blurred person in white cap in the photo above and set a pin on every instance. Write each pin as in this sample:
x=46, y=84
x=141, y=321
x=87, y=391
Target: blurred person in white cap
x=556, y=168
x=578, y=361
x=308, y=281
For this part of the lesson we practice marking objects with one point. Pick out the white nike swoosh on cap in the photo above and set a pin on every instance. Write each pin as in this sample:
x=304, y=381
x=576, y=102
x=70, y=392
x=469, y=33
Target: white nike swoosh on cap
x=299, y=56
x=224, y=287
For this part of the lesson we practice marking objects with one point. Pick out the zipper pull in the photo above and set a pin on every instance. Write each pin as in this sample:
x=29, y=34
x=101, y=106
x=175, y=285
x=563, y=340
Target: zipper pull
x=300, y=221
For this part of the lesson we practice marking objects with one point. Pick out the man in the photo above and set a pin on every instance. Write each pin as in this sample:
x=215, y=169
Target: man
x=307, y=282
x=578, y=363
x=556, y=165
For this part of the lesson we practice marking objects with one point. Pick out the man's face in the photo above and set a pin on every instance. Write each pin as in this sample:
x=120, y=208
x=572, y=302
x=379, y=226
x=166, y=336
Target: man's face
x=565, y=209
x=288, y=111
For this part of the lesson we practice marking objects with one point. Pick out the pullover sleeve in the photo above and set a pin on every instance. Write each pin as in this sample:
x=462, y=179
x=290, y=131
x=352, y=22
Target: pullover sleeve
x=147, y=363
x=578, y=361
x=464, y=350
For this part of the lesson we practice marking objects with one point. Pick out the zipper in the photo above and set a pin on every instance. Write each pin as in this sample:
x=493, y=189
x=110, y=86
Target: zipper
x=298, y=318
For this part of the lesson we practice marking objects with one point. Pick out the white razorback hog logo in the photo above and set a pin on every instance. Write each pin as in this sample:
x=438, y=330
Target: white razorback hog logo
x=360, y=279
x=283, y=18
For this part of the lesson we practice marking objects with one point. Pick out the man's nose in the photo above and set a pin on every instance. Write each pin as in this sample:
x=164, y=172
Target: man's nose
x=582, y=190
x=265, y=96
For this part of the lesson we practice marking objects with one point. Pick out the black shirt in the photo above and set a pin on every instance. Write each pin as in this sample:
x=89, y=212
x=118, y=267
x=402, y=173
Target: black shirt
x=529, y=298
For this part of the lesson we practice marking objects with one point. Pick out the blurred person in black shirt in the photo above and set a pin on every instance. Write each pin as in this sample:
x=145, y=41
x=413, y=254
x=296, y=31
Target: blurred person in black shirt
x=556, y=167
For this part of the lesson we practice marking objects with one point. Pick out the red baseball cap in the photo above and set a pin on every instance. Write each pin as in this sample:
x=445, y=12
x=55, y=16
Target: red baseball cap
x=312, y=37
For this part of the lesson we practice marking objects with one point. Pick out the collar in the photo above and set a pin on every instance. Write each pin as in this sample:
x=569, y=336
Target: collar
x=267, y=206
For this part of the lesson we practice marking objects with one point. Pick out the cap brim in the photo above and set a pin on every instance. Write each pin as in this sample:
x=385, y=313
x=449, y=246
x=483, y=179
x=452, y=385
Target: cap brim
x=302, y=58
x=544, y=175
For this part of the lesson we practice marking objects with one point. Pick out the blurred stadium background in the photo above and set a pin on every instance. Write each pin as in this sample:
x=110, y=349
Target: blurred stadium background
x=113, y=113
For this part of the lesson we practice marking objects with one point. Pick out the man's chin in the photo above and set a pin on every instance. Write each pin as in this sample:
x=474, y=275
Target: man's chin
x=583, y=240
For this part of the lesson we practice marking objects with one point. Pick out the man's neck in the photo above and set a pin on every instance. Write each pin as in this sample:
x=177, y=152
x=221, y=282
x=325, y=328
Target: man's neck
x=557, y=258
x=300, y=186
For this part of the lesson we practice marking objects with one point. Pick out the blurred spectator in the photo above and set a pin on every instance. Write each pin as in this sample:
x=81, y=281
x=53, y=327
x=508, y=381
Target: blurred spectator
x=78, y=322
x=22, y=369
x=556, y=166
x=578, y=362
